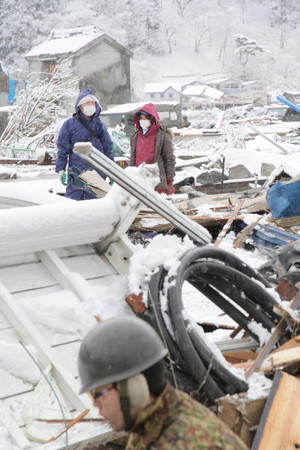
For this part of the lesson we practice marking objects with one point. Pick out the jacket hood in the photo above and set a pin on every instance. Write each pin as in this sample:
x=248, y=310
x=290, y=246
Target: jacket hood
x=150, y=109
x=83, y=94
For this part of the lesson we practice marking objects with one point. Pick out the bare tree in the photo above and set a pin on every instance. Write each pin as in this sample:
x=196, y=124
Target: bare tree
x=224, y=44
x=201, y=29
x=182, y=5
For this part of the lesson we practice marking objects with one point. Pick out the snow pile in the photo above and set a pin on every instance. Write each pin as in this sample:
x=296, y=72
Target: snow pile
x=15, y=359
x=162, y=250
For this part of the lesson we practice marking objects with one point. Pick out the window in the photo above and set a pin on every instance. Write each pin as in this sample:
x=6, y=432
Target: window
x=161, y=95
x=170, y=94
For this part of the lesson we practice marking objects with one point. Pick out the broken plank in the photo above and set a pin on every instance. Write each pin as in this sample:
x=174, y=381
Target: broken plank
x=273, y=339
x=292, y=343
x=279, y=424
x=280, y=358
x=242, y=235
x=228, y=223
x=239, y=356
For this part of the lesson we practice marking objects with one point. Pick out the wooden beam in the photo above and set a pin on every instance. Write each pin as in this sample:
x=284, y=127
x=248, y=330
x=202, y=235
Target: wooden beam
x=279, y=424
x=280, y=358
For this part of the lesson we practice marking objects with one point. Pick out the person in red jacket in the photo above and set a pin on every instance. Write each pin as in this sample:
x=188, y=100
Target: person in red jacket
x=151, y=143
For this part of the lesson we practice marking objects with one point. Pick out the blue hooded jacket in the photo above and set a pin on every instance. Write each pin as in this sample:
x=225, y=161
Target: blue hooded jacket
x=73, y=131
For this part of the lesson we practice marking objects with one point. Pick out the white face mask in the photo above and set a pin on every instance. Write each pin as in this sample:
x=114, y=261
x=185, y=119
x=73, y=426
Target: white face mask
x=145, y=124
x=89, y=110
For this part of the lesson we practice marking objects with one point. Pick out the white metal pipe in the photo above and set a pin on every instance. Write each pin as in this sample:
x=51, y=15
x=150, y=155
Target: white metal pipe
x=142, y=192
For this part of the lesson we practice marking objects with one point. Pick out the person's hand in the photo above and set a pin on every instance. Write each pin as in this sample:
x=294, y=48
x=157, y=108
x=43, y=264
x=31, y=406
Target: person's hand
x=62, y=177
x=170, y=188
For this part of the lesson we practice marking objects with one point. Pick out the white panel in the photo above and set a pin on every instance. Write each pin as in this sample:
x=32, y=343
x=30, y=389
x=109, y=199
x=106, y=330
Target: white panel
x=26, y=277
x=90, y=266
x=46, y=355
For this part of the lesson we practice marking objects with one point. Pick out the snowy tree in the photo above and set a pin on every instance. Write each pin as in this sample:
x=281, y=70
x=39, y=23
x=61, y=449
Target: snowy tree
x=246, y=47
x=40, y=106
x=23, y=25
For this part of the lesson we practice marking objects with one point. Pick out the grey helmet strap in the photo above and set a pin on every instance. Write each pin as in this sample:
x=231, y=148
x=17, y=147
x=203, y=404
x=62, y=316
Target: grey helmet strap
x=125, y=404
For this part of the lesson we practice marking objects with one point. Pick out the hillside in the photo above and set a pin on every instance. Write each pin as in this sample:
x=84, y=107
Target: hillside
x=169, y=37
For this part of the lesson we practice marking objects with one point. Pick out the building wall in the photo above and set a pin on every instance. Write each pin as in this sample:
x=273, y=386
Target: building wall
x=3, y=99
x=228, y=87
x=4, y=89
x=106, y=71
x=256, y=91
x=169, y=95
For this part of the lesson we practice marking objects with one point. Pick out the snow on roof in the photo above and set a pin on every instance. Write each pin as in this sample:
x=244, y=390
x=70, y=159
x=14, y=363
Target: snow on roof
x=202, y=91
x=161, y=87
x=246, y=83
x=222, y=80
x=128, y=107
x=65, y=41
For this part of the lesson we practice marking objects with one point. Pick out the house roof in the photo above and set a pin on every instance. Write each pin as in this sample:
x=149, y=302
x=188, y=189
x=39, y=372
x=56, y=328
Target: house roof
x=132, y=107
x=247, y=83
x=161, y=87
x=61, y=42
x=222, y=80
x=202, y=91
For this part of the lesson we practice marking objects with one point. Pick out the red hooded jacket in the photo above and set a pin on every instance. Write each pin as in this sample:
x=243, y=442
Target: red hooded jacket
x=145, y=143
x=155, y=146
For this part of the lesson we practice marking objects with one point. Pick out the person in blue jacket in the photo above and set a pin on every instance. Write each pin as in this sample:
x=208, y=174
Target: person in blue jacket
x=85, y=125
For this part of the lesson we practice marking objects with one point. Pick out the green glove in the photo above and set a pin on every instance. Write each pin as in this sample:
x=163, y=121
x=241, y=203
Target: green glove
x=62, y=177
x=111, y=182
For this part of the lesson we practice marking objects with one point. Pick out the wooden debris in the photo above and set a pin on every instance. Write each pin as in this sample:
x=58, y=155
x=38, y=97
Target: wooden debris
x=242, y=235
x=295, y=304
x=241, y=414
x=95, y=182
x=292, y=343
x=288, y=222
x=279, y=424
x=280, y=358
x=69, y=425
x=237, y=356
x=228, y=223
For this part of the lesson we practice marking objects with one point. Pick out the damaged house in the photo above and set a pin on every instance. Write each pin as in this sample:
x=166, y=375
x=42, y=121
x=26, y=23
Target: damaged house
x=102, y=64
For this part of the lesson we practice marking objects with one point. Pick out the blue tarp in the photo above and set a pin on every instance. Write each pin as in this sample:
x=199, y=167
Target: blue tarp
x=284, y=199
x=12, y=90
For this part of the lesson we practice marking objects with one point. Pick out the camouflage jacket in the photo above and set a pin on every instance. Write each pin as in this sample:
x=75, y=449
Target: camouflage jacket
x=176, y=421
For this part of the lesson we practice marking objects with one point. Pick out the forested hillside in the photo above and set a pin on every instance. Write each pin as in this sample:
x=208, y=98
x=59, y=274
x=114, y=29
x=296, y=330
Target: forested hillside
x=170, y=37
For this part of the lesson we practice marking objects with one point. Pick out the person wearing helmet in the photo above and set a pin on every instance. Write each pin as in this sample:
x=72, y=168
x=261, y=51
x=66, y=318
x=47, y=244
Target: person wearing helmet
x=121, y=364
x=151, y=143
x=85, y=125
